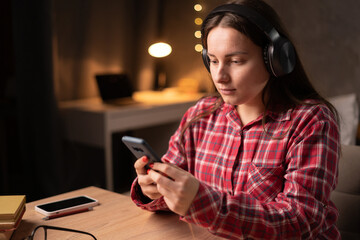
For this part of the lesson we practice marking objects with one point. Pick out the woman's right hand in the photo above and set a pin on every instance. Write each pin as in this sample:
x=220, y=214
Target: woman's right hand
x=147, y=185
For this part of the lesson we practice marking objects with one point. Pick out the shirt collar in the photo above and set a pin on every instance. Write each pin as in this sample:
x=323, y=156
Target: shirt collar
x=276, y=116
x=280, y=116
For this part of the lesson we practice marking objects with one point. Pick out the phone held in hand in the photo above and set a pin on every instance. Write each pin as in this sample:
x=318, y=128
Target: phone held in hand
x=66, y=206
x=139, y=147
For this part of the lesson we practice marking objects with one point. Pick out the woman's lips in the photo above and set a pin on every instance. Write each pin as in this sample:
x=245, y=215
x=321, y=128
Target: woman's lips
x=227, y=91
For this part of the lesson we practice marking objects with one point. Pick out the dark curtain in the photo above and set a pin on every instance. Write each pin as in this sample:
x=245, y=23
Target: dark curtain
x=38, y=171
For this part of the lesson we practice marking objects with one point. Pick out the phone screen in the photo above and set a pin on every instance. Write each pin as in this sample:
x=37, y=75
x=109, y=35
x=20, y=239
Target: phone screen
x=66, y=203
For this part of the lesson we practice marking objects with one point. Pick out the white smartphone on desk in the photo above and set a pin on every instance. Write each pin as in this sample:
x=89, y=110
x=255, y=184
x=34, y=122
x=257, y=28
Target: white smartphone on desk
x=66, y=206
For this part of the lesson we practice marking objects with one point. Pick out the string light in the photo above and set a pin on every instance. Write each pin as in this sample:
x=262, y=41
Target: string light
x=197, y=34
x=198, y=21
x=198, y=7
x=198, y=47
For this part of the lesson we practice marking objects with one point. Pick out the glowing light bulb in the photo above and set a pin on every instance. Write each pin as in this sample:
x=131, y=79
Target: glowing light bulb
x=198, y=47
x=160, y=49
x=197, y=34
x=198, y=7
x=198, y=21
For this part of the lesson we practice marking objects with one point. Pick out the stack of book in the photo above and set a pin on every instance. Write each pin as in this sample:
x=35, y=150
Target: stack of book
x=12, y=209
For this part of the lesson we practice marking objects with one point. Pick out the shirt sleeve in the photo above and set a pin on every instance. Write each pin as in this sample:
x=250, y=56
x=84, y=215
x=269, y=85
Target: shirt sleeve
x=301, y=211
x=144, y=202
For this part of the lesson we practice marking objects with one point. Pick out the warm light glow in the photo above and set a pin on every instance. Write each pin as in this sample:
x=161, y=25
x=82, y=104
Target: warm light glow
x=198, y=21
x=198, y=7
x=198, y=47
x=197, y=34
x=160, y=49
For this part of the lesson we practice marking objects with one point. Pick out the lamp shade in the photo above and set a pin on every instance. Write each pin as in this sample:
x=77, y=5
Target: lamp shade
x=159, y=49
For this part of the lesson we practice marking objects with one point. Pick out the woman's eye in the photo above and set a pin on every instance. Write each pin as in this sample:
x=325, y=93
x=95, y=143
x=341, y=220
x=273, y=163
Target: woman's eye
x=237, y=61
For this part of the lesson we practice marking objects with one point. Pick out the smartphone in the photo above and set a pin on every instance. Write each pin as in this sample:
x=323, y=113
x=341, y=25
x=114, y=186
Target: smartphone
x=139, y=147
x=66, y=206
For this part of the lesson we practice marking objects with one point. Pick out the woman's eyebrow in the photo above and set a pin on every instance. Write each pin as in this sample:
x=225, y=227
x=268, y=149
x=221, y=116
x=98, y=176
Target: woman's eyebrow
x=231, y=54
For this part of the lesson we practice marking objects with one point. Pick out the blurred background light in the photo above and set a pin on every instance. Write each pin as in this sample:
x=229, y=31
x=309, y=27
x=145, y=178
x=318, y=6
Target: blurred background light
x=198, y=7
x=198, y=21
x=198, y=47
x=160, y=49
x=197, y=34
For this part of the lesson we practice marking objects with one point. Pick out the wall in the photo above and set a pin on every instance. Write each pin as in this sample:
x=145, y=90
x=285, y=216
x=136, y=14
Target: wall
x=92, y=37
x=327, y=35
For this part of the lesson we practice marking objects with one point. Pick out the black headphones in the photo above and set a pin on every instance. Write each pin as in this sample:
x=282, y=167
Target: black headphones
x=279, y=53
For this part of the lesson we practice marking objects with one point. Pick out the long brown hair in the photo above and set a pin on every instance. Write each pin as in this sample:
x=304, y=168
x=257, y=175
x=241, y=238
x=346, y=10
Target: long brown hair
x=281, y=93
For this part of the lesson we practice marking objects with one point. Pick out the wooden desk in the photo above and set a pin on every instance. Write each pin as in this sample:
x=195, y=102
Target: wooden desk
x=116, y=217
x=92, y=122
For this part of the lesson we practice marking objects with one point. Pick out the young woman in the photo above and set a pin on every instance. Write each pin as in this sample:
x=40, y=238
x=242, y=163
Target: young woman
x=260, y=159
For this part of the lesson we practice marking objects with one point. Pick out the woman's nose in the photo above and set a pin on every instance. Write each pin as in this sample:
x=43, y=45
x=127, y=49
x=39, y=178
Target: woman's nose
x=220, y=74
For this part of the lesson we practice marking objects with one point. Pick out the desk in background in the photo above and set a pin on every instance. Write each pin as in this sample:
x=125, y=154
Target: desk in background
x=115, y=218
x=92, y=122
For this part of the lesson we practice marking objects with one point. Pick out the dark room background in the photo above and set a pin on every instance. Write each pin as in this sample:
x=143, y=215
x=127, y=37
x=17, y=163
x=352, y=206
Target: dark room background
x=51, y=51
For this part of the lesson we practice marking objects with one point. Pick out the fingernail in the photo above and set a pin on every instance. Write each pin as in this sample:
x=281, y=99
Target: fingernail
x=151, y=165
x=148, y=171
x=144, y=159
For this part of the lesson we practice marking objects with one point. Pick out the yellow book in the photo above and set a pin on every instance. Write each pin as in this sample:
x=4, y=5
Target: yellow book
x=11, y=225
x=11, y=206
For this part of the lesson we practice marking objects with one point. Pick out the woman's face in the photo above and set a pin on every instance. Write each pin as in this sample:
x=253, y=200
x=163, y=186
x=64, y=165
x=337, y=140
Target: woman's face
x=237, y=67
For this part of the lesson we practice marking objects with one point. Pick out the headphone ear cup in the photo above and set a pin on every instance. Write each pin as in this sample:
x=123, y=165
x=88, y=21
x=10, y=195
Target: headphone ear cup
x=267, y=58
x=205, y=59
x=282, y=57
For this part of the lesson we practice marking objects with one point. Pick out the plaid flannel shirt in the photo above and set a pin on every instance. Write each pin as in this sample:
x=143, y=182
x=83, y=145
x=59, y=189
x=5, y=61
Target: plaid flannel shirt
x=257, y=185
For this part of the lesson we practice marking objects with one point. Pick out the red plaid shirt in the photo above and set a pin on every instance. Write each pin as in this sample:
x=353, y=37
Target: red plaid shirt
x=273, y=185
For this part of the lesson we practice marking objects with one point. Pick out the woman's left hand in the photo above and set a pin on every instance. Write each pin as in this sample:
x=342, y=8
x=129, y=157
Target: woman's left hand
x=178, y=186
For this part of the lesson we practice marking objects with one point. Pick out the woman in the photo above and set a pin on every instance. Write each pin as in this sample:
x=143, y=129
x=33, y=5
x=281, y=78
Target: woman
x=259, y=160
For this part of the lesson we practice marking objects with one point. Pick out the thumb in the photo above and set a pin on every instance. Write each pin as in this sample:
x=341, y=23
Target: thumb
x=140, y=165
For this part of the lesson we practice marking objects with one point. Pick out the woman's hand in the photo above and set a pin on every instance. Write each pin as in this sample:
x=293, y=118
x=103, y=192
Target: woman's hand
x=178, y=186
x=147, y=185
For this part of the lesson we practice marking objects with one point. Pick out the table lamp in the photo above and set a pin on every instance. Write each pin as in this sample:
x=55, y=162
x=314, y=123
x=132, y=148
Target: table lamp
x=159, y=50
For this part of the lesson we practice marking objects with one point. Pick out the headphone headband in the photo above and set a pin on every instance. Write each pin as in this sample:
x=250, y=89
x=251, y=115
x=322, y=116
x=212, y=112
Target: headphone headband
x=249, y=14
x=279, y=54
